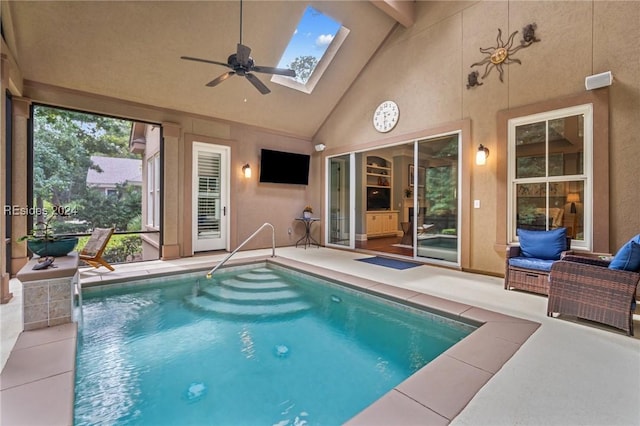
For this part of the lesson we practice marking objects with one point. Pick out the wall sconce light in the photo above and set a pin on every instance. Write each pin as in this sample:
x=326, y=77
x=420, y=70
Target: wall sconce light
x=481, y=155
x=246, y=169
x=320, y=147
x=573, y=198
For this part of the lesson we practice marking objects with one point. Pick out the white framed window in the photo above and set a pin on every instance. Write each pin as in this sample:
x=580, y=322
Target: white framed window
x=153, y=191
x=550, y=173
x=156, y=195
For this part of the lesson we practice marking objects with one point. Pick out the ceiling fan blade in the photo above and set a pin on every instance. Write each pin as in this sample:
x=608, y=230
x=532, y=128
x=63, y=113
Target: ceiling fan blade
x=243, y=53
x=220, y=79
x=207, y=61
x=271, y=70
x=257, y=83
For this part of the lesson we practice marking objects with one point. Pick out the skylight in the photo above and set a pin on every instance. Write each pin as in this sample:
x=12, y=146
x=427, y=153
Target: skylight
x=312, y=47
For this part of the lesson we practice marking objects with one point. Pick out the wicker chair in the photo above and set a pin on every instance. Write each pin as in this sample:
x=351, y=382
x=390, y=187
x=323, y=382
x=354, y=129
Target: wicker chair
x=583, y=286
x=527, y=274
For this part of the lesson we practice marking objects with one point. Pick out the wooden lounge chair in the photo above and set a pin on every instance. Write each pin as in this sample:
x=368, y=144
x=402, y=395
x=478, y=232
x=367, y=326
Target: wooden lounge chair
x=92, y=251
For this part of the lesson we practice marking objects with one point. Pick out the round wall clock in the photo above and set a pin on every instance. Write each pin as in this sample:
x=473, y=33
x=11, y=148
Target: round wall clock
x=386, y=116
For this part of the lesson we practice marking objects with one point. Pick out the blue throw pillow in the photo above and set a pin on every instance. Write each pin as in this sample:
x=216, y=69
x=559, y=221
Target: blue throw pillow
x=628, y=257
x=543, y=244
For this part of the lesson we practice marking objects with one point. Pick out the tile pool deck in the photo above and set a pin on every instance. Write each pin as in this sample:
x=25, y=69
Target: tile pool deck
x=520, y=367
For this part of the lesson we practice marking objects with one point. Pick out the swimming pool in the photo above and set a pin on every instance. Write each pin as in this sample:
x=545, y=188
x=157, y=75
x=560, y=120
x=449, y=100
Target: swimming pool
x=145, y=357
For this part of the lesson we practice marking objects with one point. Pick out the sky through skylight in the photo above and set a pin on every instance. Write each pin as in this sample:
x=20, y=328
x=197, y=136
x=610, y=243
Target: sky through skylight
x=313, y=35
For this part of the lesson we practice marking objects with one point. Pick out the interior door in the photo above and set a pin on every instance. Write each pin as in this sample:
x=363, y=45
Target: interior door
x=210, y=189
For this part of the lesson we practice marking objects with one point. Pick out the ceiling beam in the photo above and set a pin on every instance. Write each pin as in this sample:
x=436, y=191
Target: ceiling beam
x=402, y=11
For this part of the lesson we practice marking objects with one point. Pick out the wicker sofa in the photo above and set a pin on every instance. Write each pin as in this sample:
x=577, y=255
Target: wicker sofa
x=585, y=287
x=527, y=265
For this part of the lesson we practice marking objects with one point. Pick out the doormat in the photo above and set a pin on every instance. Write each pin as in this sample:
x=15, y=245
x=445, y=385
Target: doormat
x=389, y=263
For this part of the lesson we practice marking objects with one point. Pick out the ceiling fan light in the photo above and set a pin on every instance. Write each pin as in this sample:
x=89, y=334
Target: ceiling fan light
x=241, y=63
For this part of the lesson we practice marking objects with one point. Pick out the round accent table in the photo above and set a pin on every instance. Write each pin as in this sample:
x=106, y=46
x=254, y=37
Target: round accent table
x=307, y=239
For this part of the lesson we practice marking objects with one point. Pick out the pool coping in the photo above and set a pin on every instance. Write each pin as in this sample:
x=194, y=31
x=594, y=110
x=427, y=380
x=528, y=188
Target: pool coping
x=440, y=390
x=435, y=394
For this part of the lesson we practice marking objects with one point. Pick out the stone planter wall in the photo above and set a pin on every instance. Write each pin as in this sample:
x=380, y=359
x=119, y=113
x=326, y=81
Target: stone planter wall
x=48, y=294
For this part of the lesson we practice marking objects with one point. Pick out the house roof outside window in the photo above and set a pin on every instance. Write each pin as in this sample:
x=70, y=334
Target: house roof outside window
x=114, y=171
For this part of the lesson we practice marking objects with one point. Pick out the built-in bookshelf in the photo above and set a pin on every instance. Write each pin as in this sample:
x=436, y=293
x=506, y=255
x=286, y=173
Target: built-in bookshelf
x=381, y=220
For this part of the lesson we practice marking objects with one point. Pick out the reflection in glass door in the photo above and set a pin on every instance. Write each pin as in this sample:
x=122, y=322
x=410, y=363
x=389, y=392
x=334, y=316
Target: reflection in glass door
x=436, y=218
x=339, y=201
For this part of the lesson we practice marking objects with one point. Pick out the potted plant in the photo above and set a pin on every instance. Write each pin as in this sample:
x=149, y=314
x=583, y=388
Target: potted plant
x=42, y=240
x=306, y=213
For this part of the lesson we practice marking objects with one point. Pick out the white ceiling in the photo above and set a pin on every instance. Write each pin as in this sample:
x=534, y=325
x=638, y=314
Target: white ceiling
x=131, y=50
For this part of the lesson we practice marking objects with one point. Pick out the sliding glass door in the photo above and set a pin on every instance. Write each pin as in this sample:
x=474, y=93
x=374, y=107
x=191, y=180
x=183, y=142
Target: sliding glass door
x=436, y=218
x=400, y=199
x=340, y=200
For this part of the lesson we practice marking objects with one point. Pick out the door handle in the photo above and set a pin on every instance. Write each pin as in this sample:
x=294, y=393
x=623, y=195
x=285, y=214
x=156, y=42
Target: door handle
x=224, y=211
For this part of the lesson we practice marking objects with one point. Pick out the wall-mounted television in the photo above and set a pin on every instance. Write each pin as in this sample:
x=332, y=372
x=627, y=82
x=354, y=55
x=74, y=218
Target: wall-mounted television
x=378, y=198
x=284, y=167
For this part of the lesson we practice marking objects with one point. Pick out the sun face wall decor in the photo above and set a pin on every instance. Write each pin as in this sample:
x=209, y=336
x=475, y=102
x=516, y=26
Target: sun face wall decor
x=502, y=54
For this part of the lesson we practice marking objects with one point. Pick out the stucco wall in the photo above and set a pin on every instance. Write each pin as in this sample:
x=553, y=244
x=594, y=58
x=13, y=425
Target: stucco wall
x=424, y=69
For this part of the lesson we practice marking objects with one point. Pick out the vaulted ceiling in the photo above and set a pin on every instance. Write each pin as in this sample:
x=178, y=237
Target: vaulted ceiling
x=131, y=50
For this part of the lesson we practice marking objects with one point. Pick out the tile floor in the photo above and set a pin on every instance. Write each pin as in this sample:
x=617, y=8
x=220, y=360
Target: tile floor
x=566, y=373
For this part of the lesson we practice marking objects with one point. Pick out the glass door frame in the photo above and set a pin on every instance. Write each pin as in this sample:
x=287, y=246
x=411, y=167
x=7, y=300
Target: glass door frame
x=466, y=165
x=352, y=201
x=223, y=241
x=459, y=191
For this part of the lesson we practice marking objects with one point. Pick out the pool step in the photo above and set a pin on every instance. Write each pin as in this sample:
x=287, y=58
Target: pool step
x=260, y=297
x=257, y=276
x=256, y=293
x=252, y=286
x=248, y=310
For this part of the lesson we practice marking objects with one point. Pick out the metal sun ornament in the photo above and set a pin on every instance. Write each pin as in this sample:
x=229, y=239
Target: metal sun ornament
x=502, y=54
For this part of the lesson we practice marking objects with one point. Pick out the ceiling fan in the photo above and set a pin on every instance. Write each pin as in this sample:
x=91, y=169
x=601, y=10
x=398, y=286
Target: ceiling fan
x=242, y=64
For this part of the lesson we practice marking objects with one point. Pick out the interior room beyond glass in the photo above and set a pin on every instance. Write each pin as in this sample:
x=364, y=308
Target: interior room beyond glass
x=400, y=199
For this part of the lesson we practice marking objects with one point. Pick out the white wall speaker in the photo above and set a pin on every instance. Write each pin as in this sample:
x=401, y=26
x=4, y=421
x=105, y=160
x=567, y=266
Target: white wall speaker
x=597, y=81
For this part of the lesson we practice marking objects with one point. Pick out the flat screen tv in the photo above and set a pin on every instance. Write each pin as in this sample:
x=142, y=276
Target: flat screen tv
x=378, y=198
x=284, y=167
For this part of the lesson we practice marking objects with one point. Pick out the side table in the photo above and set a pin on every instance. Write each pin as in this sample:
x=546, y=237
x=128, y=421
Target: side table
x=307, y=239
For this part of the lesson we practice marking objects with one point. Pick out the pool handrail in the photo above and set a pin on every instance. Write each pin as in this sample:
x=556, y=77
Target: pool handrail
x=273, y=247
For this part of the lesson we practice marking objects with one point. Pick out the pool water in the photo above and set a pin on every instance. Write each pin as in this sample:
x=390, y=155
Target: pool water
x=259, y=346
